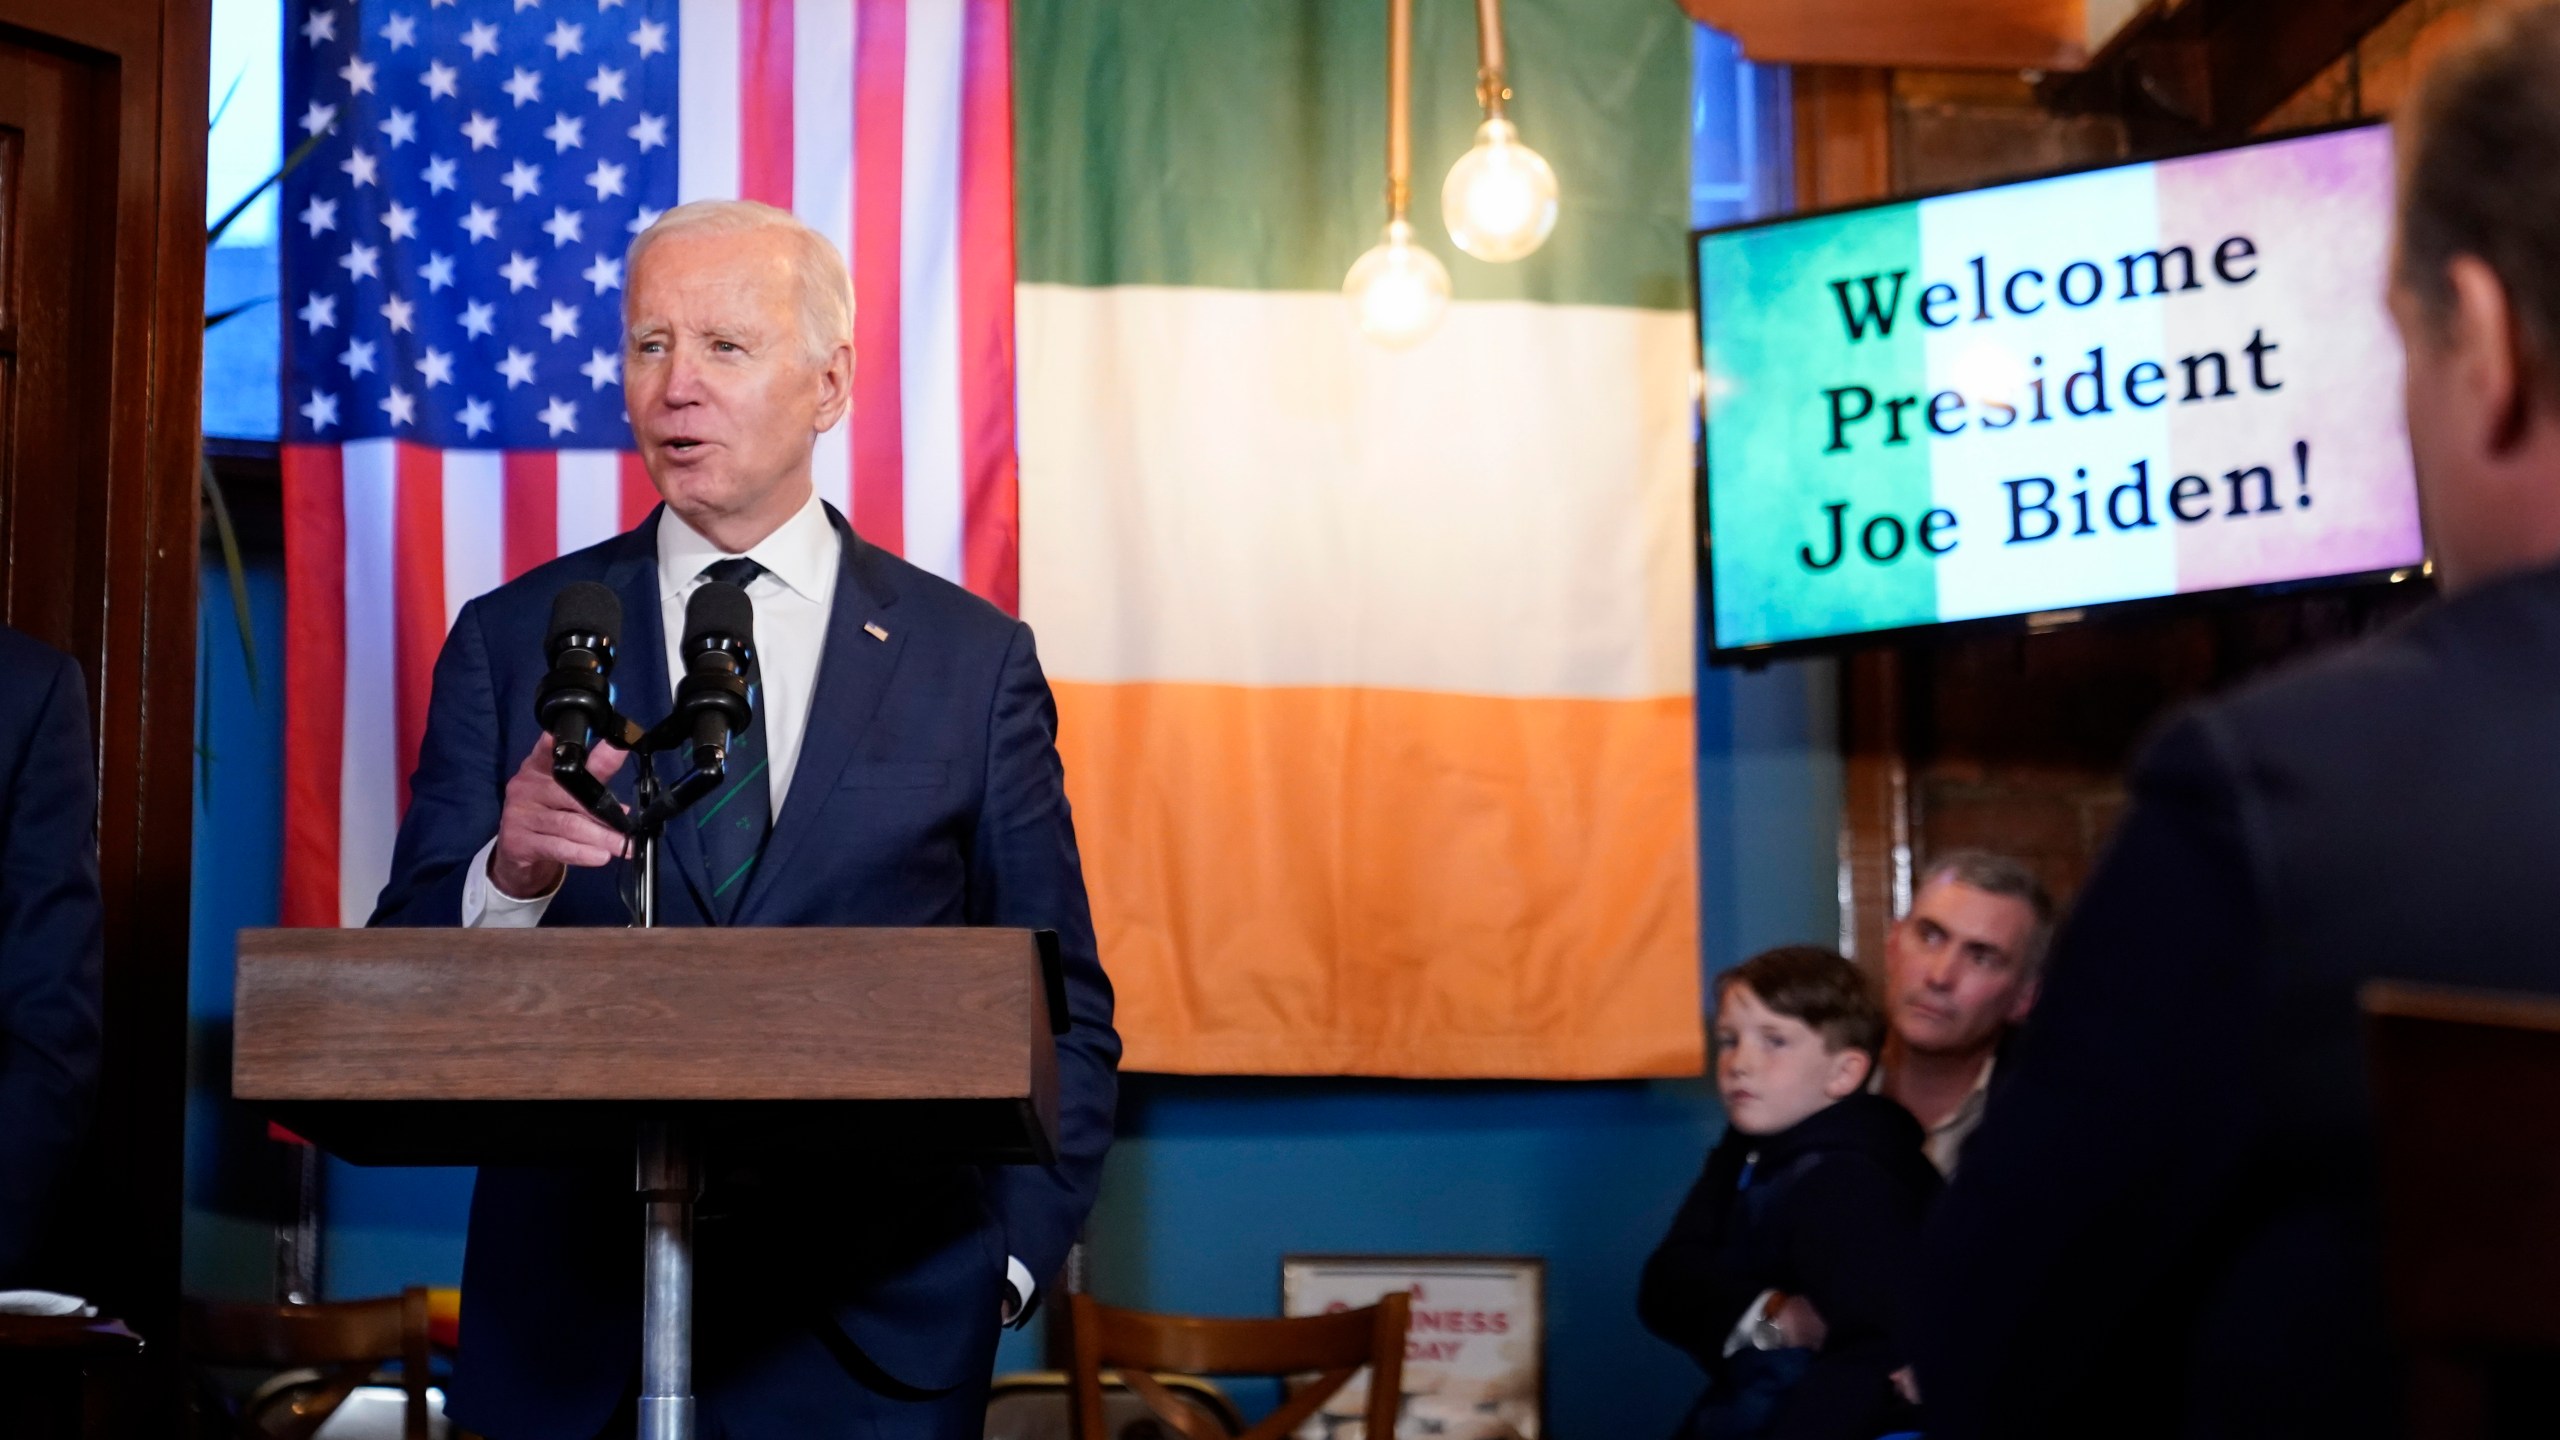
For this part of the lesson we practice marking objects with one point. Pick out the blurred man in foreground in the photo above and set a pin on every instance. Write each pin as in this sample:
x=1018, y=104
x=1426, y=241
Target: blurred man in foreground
x=1959, y=976
x=2167, y=1225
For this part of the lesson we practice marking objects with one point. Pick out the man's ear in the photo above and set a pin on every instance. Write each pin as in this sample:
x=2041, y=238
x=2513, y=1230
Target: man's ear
x=2025, y=1000
x=835, y=387
x=1849, y=1067
x=2491, y=350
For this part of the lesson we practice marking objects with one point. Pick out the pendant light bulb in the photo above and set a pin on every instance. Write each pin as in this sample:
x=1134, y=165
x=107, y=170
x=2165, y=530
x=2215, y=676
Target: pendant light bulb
x=1500, y=199
x=1398, y=289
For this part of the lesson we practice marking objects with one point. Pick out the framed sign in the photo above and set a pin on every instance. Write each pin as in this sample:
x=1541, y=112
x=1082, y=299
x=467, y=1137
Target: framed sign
x=1474, y=1361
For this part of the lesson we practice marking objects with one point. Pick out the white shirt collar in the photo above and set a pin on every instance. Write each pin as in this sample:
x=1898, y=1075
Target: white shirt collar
x=796, y=553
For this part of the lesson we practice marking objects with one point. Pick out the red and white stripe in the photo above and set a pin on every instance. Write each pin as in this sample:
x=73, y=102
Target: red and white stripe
x=887, y=125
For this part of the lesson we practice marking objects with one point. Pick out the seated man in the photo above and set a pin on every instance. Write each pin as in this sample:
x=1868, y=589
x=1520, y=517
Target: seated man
x=1812, y=1202
x=50, y=939
x=1959, y=973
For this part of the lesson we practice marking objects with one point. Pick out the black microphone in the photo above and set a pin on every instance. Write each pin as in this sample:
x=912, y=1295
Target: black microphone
x=719, y=645
x=575, y=702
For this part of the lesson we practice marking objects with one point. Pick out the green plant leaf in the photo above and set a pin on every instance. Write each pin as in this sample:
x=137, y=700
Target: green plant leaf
x=300, y=153
x=218, y=316
x=238, y=573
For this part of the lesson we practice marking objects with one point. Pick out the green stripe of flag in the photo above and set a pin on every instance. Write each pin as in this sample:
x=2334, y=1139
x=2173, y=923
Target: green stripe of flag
x=1240, y=144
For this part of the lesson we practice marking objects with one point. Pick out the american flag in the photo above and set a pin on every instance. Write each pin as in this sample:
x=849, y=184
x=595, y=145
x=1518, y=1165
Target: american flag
x=452, y=297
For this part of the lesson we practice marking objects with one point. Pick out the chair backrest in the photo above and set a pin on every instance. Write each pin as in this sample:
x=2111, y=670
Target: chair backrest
x=2466, y=1093
x=346, y=1339
x=1334, y=1346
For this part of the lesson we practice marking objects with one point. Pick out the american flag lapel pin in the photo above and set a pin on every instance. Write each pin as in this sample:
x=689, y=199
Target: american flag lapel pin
x=872, y=627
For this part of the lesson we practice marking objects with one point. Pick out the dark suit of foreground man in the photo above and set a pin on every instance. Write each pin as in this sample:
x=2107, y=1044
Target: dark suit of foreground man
x=49, y=938
x=926, y=790
x=2167, y=1226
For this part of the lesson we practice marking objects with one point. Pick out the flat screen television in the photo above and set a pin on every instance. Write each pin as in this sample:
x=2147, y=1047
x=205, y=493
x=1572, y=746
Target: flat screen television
x=2160, y=379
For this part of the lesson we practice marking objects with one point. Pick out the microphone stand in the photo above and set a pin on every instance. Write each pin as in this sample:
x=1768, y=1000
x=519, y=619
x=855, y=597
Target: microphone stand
x=666, y=1173
x=669, y=1185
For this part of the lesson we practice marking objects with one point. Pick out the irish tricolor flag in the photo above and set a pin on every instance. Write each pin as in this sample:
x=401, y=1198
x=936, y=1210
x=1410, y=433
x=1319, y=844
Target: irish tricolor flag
x=1374, y=668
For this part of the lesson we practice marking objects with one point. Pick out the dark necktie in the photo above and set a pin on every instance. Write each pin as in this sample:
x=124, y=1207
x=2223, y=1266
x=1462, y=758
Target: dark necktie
x=735, y=818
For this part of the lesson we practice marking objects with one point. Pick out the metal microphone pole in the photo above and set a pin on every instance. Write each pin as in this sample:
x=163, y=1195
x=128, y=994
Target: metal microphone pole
x=669, y=1183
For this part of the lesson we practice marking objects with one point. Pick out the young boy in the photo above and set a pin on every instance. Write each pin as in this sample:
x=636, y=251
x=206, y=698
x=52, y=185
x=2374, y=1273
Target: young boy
x=1783, y=1272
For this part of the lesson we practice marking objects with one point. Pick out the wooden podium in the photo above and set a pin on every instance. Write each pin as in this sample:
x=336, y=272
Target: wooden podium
x=468, y=1047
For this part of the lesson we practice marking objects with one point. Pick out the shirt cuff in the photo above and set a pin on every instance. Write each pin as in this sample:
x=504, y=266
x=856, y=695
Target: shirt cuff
x=486, y=907
x=1018, y=1275
x=1740, y=1339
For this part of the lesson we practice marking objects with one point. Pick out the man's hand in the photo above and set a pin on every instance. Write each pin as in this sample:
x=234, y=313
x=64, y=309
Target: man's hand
x=542, y=832
x=1799, y=1324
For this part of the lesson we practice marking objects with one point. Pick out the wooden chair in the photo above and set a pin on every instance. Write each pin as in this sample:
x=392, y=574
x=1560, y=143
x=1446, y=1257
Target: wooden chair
x=346, y=1340
x=1136, y=1344
x=2466, y=1094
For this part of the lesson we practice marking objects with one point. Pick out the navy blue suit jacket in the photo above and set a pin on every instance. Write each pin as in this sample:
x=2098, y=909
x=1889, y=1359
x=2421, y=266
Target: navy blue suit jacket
x=50, y=934
x=928, y=792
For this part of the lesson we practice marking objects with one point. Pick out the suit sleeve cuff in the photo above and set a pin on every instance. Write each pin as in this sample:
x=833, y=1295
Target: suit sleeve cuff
x=486, y=907
x=1018, y=1275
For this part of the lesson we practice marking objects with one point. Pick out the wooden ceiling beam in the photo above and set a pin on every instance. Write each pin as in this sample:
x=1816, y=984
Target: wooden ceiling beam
x=2048, y=35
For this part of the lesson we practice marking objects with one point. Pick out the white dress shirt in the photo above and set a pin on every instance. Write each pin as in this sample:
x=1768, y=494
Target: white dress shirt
x=793, y=598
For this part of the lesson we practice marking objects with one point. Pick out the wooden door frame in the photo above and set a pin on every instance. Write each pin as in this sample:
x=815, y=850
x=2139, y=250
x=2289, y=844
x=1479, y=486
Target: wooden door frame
x=133, y=629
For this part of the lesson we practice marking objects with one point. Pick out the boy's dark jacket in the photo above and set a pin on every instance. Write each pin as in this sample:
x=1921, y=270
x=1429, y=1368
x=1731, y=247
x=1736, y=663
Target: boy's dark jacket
x=1837, y=1203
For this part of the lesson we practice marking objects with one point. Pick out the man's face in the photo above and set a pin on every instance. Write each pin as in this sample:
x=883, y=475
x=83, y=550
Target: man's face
x=725, y=398
x=1955, y=968
x=1774, y=1070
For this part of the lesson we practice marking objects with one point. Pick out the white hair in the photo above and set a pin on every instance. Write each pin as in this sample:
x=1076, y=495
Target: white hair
x=826, y=291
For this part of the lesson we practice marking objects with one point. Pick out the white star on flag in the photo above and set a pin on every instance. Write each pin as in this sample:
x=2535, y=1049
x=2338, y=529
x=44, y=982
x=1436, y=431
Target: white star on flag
x=564, y=227
x=359, y=166
x=650, y=131
x=602, y=369
x=402, y=31
x=318, y=118
x=561, y=320
x=360, y=261
x=605, y=274
x=441, y=80
x=357, y=357
x=401, y=220
x=479, y=318
x=323, y=25
x=358, y=73
x=481, y=40
x=321, y=410
x=481, y=223
x=607, y=86
x=400, y=406
x=524, y=87
x=481, y=131
x=437, y=272
x=401, y=313
x=523, y=178
x=560, y=416
x=565, y=132
x=320, y=312
x=524, y=5
x=517, y=367
x=523, y=272
x=400, y=126
x=642, y=221
x=566, y=40
x=607, y=180
x=436, y=366
x=320, y=214
x=475, y=417
x=439, y=175
x=651, y=38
